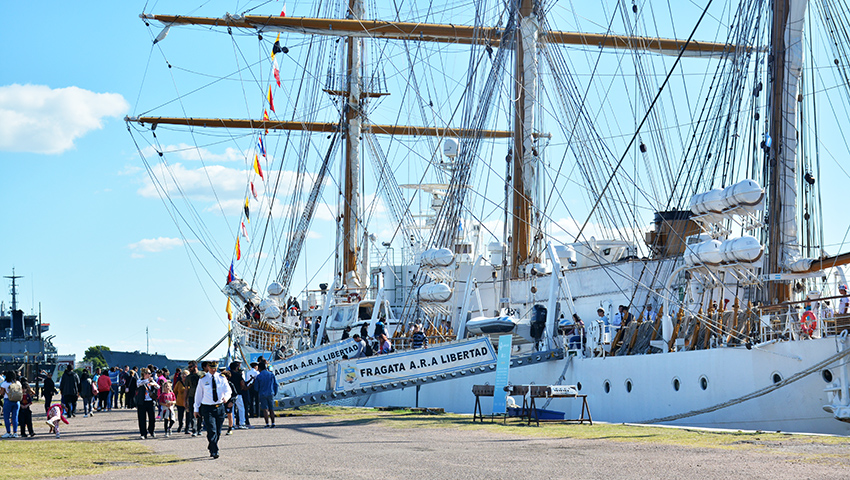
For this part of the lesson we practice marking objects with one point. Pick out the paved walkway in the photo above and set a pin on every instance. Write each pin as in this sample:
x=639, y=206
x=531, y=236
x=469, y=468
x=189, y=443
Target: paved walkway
x=318, y=447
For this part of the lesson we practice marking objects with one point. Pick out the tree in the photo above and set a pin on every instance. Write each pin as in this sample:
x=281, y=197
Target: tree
x=95, y=356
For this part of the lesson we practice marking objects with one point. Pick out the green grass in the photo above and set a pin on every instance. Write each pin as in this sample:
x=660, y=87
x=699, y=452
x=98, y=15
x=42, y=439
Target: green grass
x=685, y=437
x=35, y=459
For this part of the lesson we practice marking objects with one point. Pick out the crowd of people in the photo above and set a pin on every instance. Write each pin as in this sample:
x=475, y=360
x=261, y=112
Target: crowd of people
x=193, y=399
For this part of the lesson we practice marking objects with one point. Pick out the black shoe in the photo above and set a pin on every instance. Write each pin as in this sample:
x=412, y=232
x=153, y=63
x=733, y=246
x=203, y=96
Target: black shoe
x=215, y=455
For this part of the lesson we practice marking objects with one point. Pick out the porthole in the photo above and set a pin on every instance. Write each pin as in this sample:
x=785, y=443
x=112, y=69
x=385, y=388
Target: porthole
x=606, y=386
x=776, y=377
x=628, y=386
x=827, y=376
x=578, y=385
x=703, y=382
x=676, y=384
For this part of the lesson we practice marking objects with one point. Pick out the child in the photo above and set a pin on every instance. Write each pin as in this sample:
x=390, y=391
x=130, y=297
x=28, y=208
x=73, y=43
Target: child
x=25, y=413
x=55, y=413
x=167, y=400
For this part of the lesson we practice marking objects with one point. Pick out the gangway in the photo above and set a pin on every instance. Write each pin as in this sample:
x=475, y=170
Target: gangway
x=329, y=395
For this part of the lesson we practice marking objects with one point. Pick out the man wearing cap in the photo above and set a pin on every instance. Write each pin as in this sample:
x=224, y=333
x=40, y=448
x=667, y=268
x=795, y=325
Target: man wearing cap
x=844, y=303
x=212, y=393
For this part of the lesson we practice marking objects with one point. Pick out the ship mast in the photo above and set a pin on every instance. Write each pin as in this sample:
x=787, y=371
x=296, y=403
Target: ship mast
x=14, y=289
x=524, y=234
x=786, y=55
x=350, y=198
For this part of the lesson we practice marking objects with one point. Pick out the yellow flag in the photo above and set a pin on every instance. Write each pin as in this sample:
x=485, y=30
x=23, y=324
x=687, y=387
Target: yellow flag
x=229, y=310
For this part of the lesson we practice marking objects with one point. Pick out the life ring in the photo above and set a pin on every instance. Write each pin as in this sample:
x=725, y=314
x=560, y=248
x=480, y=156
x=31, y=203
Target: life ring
x=808, y=326
x=353, y=297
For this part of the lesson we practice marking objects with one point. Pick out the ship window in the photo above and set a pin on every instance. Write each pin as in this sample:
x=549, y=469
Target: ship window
x=776, y=377
x=703, y=382
x=827, y=376
x=578, y=385
x=606, y=386
x=676, y=384
x=629, y=385
x=606, y=252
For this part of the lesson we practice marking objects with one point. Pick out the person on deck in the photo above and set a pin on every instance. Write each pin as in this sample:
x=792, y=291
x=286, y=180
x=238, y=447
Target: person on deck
x=418, y=338
x=844, y=302
x=649, y=315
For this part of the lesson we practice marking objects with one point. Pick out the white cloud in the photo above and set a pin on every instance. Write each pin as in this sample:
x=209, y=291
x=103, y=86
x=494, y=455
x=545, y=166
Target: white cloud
x=154, y=245
x=39, y=119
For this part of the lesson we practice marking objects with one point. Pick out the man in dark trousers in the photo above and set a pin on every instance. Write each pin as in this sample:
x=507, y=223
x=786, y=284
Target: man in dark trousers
x=212, y=393
x=48, y=390
x=69, y=387
x=192, y=424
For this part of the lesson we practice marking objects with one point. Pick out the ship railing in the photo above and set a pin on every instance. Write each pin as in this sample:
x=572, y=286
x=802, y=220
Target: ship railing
x=795, y=324
x=270, y=336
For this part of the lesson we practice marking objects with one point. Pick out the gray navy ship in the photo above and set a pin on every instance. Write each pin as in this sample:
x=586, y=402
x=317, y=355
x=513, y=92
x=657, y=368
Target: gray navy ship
x=24, y=347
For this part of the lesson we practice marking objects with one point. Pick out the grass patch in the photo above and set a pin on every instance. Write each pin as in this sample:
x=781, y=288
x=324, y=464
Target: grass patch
x=33, y=459
x=685, y=437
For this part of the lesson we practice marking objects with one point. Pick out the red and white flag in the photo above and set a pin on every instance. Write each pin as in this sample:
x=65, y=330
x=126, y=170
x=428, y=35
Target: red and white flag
x=253, y=192
x=245, y=233
x=283, y=12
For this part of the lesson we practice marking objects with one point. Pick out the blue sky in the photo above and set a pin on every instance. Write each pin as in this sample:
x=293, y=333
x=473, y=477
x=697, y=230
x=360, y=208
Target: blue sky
x=82, y=223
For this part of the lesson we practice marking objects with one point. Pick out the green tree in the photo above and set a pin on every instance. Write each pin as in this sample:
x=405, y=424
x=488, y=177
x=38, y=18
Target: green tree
x=95, y=356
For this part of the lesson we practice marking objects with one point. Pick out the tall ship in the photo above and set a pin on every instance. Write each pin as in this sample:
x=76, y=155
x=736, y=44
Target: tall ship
x=24, y=345
x=640, y=205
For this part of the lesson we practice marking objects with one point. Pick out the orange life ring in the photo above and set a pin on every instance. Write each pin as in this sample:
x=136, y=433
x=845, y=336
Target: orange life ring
x=808, y=326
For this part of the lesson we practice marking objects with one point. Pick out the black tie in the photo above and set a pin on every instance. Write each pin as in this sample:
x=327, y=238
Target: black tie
x=215, y=390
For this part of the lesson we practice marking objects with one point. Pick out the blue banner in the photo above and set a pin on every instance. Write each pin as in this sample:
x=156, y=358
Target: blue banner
x=503, y=368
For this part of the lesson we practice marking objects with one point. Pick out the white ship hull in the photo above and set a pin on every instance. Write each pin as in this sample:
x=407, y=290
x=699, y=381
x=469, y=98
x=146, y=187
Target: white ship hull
x=730, y=373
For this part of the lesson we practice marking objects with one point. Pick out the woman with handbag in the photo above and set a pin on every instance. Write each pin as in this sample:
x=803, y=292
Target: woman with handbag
x=147, y=390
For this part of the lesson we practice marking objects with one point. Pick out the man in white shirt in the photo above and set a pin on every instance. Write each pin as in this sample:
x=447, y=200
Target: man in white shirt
x=844, y=303
x=212, y=393
x=649, y=316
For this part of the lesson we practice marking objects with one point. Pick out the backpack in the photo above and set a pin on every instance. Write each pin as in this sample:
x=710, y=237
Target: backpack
x=368, y=350
x=16, y=393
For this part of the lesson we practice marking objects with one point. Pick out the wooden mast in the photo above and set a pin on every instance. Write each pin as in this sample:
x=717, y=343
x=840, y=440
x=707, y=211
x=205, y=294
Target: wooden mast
x=521, y=205
x=350, y=201
x=777, y=292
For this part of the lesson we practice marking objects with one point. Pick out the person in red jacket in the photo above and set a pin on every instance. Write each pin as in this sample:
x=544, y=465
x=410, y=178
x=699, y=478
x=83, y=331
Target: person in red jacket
x=104, y=385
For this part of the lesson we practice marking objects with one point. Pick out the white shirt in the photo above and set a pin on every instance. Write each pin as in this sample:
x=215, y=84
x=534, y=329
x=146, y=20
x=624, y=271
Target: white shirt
x=5, y=386
x=842, y=305
x=618, y=319
x=204, y=393
x=650, y=315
